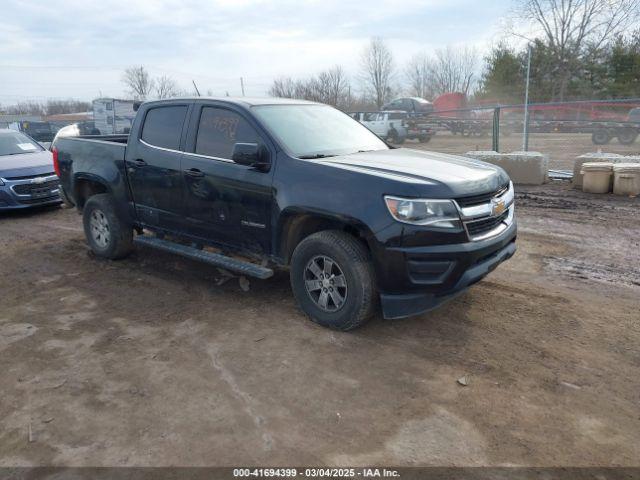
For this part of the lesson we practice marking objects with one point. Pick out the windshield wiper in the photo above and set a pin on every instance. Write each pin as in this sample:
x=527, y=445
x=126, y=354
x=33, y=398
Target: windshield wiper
x=315, y=155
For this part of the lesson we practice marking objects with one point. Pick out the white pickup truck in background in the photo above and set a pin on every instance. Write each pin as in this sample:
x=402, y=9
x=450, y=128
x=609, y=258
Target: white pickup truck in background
x=395, y=126
x=389, y=126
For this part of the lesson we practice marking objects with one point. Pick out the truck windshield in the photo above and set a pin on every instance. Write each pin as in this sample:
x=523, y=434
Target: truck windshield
x=314, y=131
x=15, y=143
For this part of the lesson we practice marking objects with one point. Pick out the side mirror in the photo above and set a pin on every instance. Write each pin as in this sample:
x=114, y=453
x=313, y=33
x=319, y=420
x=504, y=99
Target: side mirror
x=251, y=155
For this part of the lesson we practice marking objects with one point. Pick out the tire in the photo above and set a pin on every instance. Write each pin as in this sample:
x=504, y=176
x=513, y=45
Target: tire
x=600, y=137
x=349, y=260
x=424, y=139
x=392, y=136
x=627, y=136
x=107, y=235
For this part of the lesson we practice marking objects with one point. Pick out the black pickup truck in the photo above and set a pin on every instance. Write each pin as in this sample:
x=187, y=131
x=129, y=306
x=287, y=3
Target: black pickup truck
x=250, y=185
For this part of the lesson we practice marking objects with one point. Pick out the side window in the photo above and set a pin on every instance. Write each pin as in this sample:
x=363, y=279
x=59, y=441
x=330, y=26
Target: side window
x=163, y=126
x=219, y=130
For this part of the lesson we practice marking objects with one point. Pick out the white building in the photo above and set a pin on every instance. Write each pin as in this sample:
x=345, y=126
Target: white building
x=112, y=115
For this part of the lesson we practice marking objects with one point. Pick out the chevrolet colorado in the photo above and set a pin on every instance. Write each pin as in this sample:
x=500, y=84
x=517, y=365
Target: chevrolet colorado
x=250, y=185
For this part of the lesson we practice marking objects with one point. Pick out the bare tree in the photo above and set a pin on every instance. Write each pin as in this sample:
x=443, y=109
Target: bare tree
x=166, y=87
x=378, y=69
x=29, y=107
x=418, y=73
x=283, y=87
x=452, y=70
x=572, y=27
x=330, y=86
x=54, y=107
x=138, y=82
x=333, y=86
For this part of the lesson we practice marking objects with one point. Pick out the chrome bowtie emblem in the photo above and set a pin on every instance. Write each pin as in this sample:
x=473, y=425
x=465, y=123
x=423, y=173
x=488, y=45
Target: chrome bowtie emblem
x=38, y=180
x=497, y=207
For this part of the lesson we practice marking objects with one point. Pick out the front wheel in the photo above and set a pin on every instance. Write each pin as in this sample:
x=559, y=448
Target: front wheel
x=333, y=280
x=394, y=137
x=600, y=137
x=107, y=235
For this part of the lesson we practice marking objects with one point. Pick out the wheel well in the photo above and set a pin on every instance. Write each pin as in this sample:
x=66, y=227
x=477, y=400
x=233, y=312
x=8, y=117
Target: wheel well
x=86, y=188
x=296, y=228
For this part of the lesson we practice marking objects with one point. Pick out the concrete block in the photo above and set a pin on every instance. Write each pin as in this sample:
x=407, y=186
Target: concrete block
x=524, y=168
x=598, y=157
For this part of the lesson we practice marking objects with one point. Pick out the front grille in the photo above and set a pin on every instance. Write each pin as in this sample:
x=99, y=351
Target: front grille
x=35, y=201
x=484, y=225
x=36, y=189
x=27, y=177
x=480, y=199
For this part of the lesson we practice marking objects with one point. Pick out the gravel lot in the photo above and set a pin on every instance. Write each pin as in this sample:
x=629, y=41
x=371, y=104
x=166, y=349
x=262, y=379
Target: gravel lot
x=146, y=361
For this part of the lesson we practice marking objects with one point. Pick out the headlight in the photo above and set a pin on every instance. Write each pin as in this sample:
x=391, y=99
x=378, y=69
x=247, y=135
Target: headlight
x=435, y=213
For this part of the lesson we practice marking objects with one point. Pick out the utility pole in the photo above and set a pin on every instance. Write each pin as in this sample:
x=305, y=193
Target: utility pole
x=525, y=132
x=242, y=85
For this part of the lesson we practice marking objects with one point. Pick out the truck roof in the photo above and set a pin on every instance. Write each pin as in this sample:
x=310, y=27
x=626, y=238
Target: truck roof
x=242, y=101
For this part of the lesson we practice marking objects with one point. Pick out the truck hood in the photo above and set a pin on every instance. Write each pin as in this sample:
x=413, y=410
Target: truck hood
x=25, y=164
x=456, y=175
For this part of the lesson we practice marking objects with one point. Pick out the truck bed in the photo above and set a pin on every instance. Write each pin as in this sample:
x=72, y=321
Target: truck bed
x=88, y=157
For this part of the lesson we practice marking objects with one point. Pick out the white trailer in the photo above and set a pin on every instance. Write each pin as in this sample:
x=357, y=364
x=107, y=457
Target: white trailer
x=113, y=116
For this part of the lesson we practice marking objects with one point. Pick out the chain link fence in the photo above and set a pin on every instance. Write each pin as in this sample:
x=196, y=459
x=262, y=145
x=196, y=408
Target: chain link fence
x=561, y=130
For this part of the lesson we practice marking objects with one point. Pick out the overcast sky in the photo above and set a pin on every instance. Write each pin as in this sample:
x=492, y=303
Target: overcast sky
x=79, y=48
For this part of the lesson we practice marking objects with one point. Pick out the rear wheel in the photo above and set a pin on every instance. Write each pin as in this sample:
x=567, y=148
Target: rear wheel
x=627, y=136
x=107, y=235
x=333, y=281
x=424, y=139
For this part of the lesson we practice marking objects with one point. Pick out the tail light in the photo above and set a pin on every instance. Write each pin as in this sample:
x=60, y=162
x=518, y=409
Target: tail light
x=56, y=164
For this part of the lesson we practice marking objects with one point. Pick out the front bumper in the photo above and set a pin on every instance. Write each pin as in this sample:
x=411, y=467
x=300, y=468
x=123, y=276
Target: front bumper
x=29, y=192
x=432, y=275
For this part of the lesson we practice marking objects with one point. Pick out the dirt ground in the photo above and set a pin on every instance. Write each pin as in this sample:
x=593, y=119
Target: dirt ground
x=146, y=361
x=562, y=148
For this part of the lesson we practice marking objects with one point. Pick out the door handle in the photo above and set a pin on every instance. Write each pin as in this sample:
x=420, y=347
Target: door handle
x=194, y=172
x=138, y=162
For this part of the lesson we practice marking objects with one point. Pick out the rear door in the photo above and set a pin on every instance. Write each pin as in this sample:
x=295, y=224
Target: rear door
x=153, y=166
x=224, y=202
x=396, y=120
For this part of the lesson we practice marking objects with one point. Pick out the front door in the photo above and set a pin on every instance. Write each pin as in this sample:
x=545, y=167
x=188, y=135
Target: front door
x=153, y=167
x=224, y=202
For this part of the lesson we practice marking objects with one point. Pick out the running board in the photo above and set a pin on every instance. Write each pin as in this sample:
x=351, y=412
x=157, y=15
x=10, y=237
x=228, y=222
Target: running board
x=215, y=259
